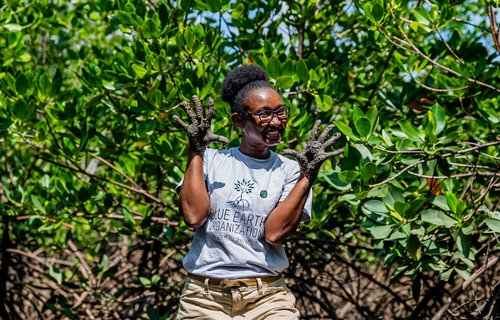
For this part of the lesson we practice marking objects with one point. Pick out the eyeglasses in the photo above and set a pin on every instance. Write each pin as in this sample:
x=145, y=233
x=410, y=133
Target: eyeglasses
x=268, y=115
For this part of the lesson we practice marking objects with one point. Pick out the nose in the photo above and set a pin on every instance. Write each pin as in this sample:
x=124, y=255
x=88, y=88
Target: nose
x=275, y=121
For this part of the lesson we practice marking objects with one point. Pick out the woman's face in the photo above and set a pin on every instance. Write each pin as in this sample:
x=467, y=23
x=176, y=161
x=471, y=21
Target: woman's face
x=259, y=134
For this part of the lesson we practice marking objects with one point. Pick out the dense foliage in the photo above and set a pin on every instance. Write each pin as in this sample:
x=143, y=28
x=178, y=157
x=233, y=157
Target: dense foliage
x=90, y=155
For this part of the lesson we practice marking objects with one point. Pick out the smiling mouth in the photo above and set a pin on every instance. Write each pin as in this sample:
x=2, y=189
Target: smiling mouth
x=273, y=135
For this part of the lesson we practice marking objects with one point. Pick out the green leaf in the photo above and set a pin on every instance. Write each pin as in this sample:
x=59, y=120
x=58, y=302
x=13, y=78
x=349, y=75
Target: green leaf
x=363, y=126
x=414, y=248
x=376, y=206
x=45, y=85
x=440, y=202
x=463, y=272
x=335, y=181
x=56, y=274
x=422, y=16
x=238, y=11
x=438, y=218
x=411, y=132
x=5, y=123
x=145, y=281
x=188, y=38
x=273, y=67
x=150, y=29
x=22, y=84
x=440, y=118
x=368, y=171
x=37, y=204
x=401, y=207
x=140, y=71
x=378, y=12
x=345, y=129
x=493, y=225
x=326, y=103
x=381, y=231
x=20, y=109
x=357, y=114
x=214, y=5
x=302, y=70
x=452, y=201
x=372, y=114
x=128, y=217
x=285, y=82
x=463, y=243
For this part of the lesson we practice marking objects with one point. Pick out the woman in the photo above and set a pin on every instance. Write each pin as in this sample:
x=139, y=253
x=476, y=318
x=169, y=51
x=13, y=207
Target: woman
x=244, y=202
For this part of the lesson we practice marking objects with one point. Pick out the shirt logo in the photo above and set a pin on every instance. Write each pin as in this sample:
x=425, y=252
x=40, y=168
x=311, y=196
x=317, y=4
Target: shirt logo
x=244, y=187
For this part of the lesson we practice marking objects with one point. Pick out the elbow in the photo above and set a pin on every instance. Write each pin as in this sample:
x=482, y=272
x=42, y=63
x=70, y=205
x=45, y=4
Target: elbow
x=275, y=240
x=194, y=222
x=192, y=217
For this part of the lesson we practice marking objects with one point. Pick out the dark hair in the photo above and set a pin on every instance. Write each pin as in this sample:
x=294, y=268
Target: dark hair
x=239, y=82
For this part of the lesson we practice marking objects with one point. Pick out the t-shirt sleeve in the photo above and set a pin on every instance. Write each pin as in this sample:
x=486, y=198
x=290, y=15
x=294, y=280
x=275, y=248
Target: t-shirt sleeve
x=292, y=175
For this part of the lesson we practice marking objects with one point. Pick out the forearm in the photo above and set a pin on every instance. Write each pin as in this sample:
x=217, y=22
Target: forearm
x=285, y=218
x=194, y=199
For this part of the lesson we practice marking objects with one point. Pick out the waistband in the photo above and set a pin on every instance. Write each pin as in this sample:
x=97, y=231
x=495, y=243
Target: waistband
x=229, y=283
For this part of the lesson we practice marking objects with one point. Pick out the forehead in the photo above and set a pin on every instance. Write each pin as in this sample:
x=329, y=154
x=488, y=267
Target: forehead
x=263, y=98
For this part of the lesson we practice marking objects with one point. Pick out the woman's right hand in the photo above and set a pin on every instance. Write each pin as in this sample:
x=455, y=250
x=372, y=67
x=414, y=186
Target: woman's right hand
x=199, y=132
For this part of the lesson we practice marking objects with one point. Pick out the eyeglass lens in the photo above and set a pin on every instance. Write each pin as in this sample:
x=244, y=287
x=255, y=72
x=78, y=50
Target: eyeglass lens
x=267, y=115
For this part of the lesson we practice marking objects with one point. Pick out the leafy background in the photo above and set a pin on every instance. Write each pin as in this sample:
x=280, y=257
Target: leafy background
x=406, y=222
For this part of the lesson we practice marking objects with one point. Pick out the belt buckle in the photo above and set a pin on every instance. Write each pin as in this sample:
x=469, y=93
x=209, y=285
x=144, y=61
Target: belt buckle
x=230, y=283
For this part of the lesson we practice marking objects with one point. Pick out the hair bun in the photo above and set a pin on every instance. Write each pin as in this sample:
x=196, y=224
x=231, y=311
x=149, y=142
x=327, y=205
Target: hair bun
x=239, y=77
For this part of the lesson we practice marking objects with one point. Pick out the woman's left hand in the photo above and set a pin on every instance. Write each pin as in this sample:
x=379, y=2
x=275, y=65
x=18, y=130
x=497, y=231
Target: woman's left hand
x=314, y=154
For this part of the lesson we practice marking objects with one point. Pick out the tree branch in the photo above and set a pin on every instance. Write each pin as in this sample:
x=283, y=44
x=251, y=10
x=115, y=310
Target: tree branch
x=495, y=32
x=437, y=64
x=460, y=175
x=397, y=174
x=464, y=286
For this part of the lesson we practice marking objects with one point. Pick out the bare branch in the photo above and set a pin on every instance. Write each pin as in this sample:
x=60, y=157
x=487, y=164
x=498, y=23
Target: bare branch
x=495, y=32
x=460, y=175
x=397, y=174
x=106, y=162
x=436, y=89
x=464, y=286
x=417, y=51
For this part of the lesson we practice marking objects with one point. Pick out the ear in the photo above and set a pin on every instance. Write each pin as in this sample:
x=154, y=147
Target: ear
x=237, y=120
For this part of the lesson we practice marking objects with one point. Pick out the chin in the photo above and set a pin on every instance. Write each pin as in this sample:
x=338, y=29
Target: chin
x=272, y=143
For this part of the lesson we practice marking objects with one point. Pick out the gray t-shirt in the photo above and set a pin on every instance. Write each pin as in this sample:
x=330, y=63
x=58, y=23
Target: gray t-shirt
x=243, y=191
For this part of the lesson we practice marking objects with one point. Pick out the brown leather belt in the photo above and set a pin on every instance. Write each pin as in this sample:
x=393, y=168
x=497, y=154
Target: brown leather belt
x=245, y=282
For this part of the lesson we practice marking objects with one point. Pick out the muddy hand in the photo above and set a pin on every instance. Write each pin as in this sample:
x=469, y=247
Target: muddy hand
x=199, y=132
x=314, y=154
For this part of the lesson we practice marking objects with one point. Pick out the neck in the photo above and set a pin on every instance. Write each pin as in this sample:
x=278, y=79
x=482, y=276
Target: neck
x=262, y=153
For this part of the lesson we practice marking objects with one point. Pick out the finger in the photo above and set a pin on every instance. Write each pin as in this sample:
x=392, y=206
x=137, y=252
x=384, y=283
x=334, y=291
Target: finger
x=334, y=153
x=189, y=111
x=180, y=122
x=314, y=131
x=211, y=109
x=325, y=133
x=332, y=140
x=289, y=152
x=216, y=138
x=199, y=107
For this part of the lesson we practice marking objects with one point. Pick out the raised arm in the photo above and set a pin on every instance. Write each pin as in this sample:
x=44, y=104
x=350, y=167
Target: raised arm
x=285, y=218
x=194, y=201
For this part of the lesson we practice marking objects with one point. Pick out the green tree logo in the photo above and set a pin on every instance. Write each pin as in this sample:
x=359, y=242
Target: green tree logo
x=244, y=186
